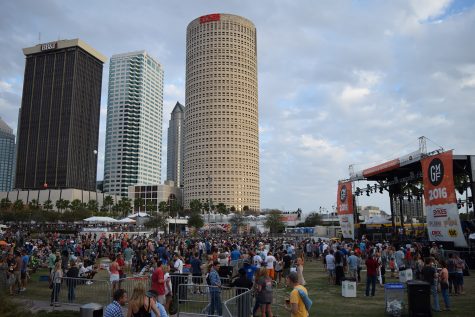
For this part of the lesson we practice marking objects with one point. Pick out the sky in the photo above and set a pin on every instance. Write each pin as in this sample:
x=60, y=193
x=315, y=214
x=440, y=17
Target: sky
x=340, y=82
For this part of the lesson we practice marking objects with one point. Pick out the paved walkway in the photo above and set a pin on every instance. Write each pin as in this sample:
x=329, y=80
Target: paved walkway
x=37, y=305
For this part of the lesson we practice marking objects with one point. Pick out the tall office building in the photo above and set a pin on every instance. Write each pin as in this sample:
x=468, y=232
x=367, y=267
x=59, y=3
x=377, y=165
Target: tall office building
x=134, y=122
x=58, y=128
x=221, y=115
x=7, y=156
x=175, y=145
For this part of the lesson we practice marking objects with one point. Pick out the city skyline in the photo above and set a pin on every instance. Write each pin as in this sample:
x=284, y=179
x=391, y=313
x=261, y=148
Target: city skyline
x=339, y=83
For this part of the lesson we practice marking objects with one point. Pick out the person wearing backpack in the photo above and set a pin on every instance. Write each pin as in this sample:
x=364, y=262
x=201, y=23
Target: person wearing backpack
x=299, y=303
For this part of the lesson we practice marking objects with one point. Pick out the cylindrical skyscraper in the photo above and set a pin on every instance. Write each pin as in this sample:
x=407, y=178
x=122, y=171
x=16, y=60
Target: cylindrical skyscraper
x=221, y=115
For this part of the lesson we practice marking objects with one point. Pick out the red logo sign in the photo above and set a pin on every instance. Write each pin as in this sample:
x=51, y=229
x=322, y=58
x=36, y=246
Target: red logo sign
x=210, y=18
x=440, y=212
x=436, y=233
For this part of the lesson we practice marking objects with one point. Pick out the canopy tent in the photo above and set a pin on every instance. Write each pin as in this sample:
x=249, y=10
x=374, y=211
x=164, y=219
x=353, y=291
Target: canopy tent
x=377, y=220
x=127, y=220
x=472, y=236
x=101, y=219
x=138, y=214
x=261, y=217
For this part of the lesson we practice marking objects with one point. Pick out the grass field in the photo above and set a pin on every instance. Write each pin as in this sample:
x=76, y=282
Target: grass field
x=327, y=299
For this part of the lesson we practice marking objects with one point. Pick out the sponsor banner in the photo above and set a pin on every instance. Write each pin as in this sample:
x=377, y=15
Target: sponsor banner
x=345, y=209
x=347, y=226
x=289, y=217
x=443, y=221
x=210, y=18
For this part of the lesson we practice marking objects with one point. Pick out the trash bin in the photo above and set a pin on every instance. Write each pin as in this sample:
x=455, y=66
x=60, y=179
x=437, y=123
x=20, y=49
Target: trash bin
x=178, y=279
x=418, y=293
x=348, y=287
x=91, y=310
x=394, y=298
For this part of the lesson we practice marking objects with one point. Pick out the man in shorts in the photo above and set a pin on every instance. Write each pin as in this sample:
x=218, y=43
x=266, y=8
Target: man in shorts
x=330, y=261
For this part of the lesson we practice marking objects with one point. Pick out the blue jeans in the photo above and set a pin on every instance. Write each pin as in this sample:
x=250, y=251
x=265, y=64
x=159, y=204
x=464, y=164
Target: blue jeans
x=215, y=304
x=55, y=292
x=435, y=297
x=71, y=289
x=370, y=279
x=445, y=296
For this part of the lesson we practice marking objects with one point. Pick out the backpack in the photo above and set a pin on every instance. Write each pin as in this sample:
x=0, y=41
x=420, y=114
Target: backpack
x=208, y=279
x=306, y=300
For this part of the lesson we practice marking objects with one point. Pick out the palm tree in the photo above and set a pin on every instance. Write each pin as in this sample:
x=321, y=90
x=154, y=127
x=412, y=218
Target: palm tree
x=18, y=205
x=125, y=205
x=108, y=203
x=5, y=204
x=195, y=205
x=34, y=204
x=139, y=203
x=60, y=204
x=48, y=205
x=163, y=206
x=93, y=205
x=150, y=206
x=221, y=208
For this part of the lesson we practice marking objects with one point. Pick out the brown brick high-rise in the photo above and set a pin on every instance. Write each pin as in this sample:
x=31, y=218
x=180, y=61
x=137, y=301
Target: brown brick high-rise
x=59, y=118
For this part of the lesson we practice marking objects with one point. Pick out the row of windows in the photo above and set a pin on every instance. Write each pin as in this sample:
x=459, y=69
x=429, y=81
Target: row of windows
x=219, y=72
x=223, y=24
x=219, y=59
x=205, y=173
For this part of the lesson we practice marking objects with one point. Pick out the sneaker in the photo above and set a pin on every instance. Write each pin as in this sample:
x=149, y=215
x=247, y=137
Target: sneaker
x=22, y=289
x=88, y=282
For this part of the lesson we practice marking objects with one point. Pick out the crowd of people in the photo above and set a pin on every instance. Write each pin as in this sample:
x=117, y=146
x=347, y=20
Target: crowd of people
x=259, y=263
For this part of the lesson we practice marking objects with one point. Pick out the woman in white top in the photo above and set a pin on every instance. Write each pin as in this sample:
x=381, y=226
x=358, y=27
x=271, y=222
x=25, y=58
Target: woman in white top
x=55, y=278
x=270, y=260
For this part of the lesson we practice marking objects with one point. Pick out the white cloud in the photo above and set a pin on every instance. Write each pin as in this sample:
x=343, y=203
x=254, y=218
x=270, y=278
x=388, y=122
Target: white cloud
x=353, y=94
x=5, y=86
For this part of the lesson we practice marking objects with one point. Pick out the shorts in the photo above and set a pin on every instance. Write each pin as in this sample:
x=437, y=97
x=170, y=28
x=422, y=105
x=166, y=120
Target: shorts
x=23, y=275
x=161, y=299
x=458, y=279
x=271, y=273
x=128, y=263
x=114, y=277
x=331, y=272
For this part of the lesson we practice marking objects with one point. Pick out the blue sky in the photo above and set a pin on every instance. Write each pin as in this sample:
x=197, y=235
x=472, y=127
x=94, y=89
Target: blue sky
x=340, y=82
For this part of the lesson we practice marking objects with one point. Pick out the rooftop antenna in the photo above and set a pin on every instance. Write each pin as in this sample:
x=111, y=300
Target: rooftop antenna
x=39, y=37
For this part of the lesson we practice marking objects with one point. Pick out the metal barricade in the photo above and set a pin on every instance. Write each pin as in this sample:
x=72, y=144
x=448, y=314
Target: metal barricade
x=240, y=305
x=129, y=283
x=79, y=291
x=196, y=300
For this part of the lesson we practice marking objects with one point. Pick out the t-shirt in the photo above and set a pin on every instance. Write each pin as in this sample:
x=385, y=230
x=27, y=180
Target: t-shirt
x=235, y=255
x=195, y=266
x=158, y=286
x=270, y=259
x=287, y=260
x=257, y=261
x=128, y=253
x=178, y=266
x=330, y=260
x=371, y=267
x=296, y=299
x=428, y=273
x=250, y=270
x=24, y=264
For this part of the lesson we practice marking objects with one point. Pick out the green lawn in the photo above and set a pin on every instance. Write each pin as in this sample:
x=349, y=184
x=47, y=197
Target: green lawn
x=327, y=299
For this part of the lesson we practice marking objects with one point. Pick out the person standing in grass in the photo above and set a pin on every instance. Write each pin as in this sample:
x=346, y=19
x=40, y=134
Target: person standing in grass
x=55, y=278
x=429, y=274
x=444, y=283
x=295, y=304
x=371, y=273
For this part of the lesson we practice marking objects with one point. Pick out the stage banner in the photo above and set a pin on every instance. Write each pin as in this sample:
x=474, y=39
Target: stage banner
x=443, y=221
x=345, y=210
